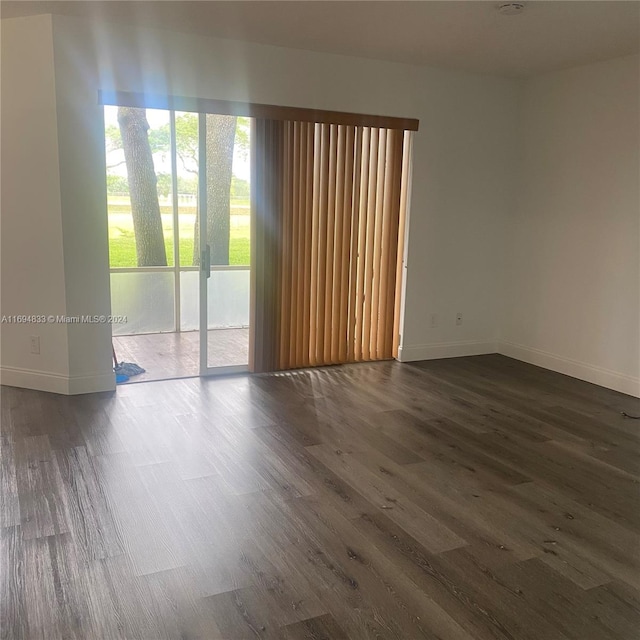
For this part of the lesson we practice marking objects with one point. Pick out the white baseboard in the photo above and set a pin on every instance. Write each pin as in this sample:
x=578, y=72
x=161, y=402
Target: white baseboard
x=574, y=368
x=581, y=370
x=72, y=385
x=92, y=384
x=32, y=379
x=437, y=350
x=56, y=383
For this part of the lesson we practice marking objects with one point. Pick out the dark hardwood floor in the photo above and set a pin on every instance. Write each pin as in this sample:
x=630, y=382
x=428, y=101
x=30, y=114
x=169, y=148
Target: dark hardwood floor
x=476, y=498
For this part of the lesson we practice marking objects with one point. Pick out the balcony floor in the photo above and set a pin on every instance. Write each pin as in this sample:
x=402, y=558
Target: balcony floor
x=177, y=355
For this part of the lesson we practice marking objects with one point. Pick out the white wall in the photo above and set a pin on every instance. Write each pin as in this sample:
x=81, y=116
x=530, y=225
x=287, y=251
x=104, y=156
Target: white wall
x=53, y=220
x=31, y=228
x=462, y=196
x=463, y=163
x=574, y=271
x=84, y=220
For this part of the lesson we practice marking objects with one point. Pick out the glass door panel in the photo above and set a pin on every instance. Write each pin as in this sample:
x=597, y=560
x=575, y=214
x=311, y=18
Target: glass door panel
x=224, y=246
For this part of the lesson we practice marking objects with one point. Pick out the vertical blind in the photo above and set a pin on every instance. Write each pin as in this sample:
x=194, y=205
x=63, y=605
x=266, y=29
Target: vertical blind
x=328, y=205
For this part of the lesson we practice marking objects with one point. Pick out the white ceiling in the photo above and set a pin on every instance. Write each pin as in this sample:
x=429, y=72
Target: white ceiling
x=459, y=34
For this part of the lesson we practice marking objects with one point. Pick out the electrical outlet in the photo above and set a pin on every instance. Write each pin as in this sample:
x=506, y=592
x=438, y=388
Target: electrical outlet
x=458, y=319
x=433, y=320
x=35, y=344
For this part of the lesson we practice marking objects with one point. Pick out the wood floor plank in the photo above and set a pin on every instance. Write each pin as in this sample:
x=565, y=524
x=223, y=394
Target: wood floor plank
x=45, y=616
x=43, y=506
x=13, y=607
x=243, y=613
x=407, y=514
x=290, y=597
x=91, y=522
x=519, y=623
x=461, y=508
x=133, y=602
x=617, y=606
x=322, y=627
x=552, y=597
x=176, y=603
x=606, y=545
x=141, y=528
x=341, y=552
x=9, y=499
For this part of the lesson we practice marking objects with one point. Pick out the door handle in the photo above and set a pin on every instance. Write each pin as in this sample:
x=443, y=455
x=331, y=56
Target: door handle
x=205, y=260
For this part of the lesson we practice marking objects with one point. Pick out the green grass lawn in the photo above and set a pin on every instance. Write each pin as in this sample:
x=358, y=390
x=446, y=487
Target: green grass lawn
x=122, y=244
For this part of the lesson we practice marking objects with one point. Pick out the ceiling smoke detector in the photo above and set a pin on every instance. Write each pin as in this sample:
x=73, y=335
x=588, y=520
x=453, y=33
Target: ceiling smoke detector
x=511, y=8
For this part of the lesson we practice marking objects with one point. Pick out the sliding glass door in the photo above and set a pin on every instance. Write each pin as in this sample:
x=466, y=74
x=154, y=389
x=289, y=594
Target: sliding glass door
x=223, y=227
x=329, y=196
x=178, y=207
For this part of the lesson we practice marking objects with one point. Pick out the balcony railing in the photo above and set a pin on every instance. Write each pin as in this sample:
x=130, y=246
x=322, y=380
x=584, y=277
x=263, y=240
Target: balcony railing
x=164, y=299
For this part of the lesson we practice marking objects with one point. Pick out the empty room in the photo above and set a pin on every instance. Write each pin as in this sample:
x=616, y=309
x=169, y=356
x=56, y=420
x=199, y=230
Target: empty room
x=320, y=320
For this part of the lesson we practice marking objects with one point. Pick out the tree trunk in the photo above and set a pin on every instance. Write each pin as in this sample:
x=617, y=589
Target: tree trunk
x=220, y=139
x=141, y=175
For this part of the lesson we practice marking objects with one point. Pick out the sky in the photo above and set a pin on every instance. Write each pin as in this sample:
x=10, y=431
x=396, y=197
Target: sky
x=162, y=161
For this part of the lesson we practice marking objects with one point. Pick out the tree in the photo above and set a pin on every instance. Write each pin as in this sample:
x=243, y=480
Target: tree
x=113, y=139
x=239, y=188
x=187, y=141
x=164, y=184
x=223, y=133
x=220, y=137
x=117, y=184
x=242, y=136
x=160, y=139
x=145, y=208
x=188, y=185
